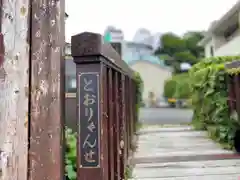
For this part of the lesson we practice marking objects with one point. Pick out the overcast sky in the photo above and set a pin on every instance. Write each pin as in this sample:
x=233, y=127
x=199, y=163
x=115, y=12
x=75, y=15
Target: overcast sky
x=177, y=16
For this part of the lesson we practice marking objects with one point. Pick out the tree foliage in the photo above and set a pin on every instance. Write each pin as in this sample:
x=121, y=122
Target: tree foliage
x=177, y=87
x=175, y=50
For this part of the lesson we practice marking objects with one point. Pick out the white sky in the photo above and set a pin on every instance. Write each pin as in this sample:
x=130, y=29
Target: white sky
x=177, y=16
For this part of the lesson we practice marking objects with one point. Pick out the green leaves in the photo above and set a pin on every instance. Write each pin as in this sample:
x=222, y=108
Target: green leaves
x=177, y=87
x=176, y=50
x=71, y=154
x=209, y=99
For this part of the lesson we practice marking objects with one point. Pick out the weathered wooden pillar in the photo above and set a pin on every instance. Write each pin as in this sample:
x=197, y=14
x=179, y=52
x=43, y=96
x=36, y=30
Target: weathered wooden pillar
x=91, y=109
x=127, y=115
x=237, y=89
x=99, y=72
x=14, y=85
x=111, y=122
x=122, y=126
x=47, y=92
x=117, y=126
x=131, y=111
x=135, y=107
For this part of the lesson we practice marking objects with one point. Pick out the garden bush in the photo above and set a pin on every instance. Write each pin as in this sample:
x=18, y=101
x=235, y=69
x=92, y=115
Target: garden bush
x=139, y=89
x=209, y=95
x=71, y=154
x=177, y=86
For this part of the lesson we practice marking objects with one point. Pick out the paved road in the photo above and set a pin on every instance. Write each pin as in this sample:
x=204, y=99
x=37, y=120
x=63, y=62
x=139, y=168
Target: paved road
x=153, y=116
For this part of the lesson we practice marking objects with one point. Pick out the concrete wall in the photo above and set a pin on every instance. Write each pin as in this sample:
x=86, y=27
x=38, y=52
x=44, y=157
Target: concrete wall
x=153, y=77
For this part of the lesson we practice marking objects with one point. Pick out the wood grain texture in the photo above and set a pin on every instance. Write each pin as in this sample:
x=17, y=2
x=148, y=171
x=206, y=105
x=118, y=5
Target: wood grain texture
x=47, y=92
x=14, y=80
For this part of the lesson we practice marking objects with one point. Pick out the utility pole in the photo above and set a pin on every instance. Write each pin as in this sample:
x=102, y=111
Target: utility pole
x=31, y=89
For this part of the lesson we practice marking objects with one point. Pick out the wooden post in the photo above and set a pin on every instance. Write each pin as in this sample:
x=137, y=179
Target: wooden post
x=99, y=71
x=237, y=88
x=92, y=148
x=47, y=90
x=14, y=66
x=117, y=124
x=111, y=123
x=123, y=136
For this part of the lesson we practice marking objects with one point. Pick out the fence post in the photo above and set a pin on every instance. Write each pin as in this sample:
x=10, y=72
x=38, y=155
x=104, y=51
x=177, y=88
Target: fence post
x=237, y=88
x=91, y=112
x=47, y=90
x=14, y=65
x=122, y=126
x=99, y=71
x=111, y=123
x=117, y=126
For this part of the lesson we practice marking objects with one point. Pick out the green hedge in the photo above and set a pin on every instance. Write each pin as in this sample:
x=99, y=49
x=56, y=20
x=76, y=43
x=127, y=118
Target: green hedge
x=208, y=83
x=139, y=89
x=71, y=154
x=71, y=138
x=177, y=87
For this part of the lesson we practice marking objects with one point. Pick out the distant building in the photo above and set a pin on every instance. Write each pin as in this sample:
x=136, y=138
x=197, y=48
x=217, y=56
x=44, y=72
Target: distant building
x=152, y=70
x=113, y=34
x=223, y=36
x=145, y=37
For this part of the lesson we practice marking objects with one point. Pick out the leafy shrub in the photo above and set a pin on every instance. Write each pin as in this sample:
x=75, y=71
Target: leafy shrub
x=209, y=99
x=71, y=155
x=139, y=89
x=169, y=88
x=177, y=86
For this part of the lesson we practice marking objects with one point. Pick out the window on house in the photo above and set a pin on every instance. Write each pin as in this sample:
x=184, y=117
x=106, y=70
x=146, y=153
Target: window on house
x=211, y=51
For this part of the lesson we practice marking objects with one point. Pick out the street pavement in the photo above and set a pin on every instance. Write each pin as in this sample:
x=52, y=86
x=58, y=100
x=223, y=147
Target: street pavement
x=153, y=116
x=177, y=152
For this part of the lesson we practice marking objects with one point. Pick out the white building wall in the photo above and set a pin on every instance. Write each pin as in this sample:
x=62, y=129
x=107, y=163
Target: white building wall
x=230, y=48
x=153, y=77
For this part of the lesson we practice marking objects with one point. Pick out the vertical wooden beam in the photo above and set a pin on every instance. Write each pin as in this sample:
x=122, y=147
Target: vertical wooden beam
x=131, y=113
x=47, y=100
x=14, y=84
x=117, y=125
x=121, y=125
x=105, y=123
x=127, y=115
x=111, y=122
x=237, y=89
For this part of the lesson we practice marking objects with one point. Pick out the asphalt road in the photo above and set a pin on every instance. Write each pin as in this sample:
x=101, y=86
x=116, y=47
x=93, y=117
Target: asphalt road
x=153, y=116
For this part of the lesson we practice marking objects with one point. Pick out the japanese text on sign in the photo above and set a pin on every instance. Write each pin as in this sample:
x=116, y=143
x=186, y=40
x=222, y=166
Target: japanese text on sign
x=89, y=119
